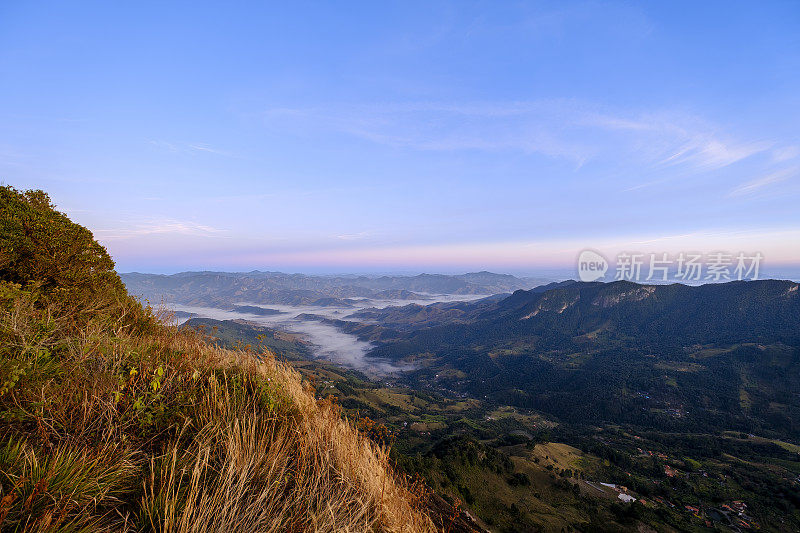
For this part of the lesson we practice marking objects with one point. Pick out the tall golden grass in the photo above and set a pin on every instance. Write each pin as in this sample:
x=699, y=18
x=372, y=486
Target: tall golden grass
x=125, y=424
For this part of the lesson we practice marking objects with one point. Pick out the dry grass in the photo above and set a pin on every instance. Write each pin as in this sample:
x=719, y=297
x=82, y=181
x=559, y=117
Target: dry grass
x=125, y=424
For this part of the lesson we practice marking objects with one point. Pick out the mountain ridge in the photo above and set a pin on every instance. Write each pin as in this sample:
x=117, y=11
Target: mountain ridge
x=206, y=287
x=573, y=350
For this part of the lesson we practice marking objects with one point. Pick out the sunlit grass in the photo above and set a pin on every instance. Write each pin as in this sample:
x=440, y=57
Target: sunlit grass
x=131, y=425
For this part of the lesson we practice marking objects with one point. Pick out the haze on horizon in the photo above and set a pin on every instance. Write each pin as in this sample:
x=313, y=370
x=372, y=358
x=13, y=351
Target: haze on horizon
x=431, y=136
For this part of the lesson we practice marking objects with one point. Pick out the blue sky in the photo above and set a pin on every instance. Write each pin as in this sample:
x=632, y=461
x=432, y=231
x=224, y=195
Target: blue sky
x=379, y=136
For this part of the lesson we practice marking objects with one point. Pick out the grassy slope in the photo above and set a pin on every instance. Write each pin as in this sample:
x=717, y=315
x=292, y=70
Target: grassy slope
x=160, y=431
x=112, y=421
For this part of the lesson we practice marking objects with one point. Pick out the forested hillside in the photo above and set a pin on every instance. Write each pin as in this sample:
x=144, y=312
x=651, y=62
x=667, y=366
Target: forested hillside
x=723, y=356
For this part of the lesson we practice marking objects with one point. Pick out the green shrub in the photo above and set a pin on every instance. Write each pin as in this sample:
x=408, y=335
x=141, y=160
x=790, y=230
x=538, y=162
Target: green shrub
x=39, y=244
x=42, y=251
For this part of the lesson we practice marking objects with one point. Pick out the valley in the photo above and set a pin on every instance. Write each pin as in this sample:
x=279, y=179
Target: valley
x=324, y=340
x=567, y=405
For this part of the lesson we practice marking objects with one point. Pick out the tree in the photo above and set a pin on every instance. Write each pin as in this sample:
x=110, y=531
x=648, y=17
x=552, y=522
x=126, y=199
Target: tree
x=43, y=251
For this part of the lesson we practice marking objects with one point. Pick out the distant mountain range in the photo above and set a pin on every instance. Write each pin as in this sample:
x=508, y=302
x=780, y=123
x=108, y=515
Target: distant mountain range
x=720, y=355
x=687, y=357
x=670, y=356
x=744, y=311
x=228, y=288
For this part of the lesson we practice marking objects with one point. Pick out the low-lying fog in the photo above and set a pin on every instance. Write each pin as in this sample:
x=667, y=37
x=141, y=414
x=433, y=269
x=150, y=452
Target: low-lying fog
x=328, y=341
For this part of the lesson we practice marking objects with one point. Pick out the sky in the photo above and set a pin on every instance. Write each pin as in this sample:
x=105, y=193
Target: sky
x=407, y=136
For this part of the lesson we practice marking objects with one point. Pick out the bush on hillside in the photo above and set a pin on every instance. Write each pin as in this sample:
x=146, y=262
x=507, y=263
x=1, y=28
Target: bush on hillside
x=40, y=244
x=58, y=269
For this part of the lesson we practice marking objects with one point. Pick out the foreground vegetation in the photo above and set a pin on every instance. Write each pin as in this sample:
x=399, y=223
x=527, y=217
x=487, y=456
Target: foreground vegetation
x=518, y=469
x=112, y=421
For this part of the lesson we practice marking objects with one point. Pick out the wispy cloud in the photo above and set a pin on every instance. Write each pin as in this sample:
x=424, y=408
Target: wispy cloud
x=353, y=236
x=708, y=152
x=158, y=227
x=561, y=129
x=678, y=139
x=752, y=187
x=426, y=126
x=207, y=148
x=786, y=153
x=188, y=148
